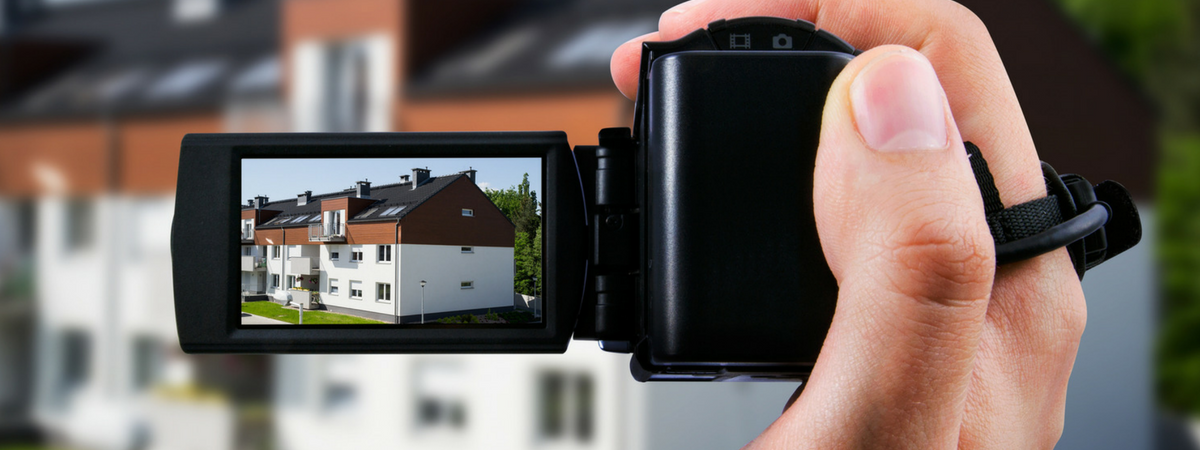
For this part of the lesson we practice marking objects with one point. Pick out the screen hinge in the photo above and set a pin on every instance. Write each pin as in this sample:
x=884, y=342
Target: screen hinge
x=615, y=237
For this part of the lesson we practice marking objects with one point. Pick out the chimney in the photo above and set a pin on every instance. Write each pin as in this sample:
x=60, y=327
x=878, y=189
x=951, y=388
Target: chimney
x=303, y=199
x=260, y=202
x=404, y=178
x=419, y=176
x=250, y=202
x=470, y=174
x=363, y=190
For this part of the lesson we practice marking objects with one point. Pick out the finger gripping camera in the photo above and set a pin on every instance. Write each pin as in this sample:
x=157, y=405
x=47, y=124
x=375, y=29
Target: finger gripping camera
x=687, y=241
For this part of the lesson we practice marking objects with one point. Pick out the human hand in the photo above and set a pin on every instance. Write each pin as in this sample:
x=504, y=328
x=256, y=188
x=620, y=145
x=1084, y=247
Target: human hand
x=931, y=345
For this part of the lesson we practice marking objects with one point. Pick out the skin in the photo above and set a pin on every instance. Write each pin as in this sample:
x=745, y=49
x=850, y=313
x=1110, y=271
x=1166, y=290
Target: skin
x=932, y=346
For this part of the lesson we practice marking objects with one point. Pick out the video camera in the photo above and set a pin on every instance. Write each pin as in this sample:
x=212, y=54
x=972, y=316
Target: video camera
x=688, y=241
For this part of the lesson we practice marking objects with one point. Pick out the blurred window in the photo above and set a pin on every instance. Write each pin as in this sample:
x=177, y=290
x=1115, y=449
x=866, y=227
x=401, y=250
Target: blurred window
x=441, y=398
x=347, y=87
x=261, y=76
x=147, y=359
x=595, y=45
x=339, y=394
x=275, y=281
x=355, y=289
x=186, y=79
x=26, y=226
x=384, y=253
x=81, y=224
x=76, y=352
x=566, y=406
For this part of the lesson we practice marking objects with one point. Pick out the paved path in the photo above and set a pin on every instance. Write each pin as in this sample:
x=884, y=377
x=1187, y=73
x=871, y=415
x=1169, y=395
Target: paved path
x=251, y=319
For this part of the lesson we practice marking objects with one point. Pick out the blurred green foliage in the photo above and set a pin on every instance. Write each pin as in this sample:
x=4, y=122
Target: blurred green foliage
x=1179, y=254
x=1134, y=33
x=1155, y=43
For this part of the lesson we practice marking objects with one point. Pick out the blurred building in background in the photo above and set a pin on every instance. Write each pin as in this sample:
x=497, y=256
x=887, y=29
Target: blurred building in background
x=95, y=97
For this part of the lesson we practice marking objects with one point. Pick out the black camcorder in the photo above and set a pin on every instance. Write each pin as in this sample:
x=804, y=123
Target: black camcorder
x=688, y=241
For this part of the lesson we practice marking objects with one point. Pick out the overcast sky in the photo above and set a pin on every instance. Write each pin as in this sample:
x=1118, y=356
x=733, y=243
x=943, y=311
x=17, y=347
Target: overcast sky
x=286, y=178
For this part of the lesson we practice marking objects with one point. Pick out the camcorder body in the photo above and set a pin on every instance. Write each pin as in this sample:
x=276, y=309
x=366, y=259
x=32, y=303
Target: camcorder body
x=687, y=241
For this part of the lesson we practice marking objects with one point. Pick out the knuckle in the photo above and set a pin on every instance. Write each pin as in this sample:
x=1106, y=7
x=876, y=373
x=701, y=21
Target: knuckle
x=966, y=21
x=939, y=256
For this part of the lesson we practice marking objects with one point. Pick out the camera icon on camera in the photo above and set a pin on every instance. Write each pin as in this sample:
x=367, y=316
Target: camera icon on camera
x=781, y=41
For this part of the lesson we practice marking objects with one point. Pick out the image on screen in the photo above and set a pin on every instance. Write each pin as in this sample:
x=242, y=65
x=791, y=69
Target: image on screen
x=407, y=241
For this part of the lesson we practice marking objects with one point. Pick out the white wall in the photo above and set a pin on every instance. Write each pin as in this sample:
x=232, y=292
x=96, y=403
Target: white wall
x=115, y=290
x=368, y=271
x=444, y=267
x=499, y=394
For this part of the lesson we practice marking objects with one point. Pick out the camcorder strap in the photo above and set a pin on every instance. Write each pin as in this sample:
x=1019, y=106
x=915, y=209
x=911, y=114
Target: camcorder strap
x=1094, y=223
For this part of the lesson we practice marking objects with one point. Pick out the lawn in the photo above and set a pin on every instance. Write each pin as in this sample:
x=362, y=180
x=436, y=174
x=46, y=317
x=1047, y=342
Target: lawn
x=272, y=310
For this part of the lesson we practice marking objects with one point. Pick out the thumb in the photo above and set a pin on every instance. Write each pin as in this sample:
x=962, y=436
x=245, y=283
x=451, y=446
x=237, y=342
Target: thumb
x=902, y=226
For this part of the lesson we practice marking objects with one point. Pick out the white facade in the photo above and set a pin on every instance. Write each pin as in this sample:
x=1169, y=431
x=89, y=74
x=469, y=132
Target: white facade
x=581, y=400
x=446, y=268
x=394, y=287
x=106, y=321
x=366, y=273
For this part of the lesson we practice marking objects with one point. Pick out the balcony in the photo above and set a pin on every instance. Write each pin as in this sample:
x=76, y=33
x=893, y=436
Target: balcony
x=252, y=264
x=302, y=265
x=327, y=232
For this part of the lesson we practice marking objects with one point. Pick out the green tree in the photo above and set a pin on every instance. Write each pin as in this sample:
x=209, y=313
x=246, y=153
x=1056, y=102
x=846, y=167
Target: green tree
x=528, y=257
x=519, y=203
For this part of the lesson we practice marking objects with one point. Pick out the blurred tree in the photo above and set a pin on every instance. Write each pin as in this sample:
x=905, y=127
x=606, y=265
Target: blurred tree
x=1154, y=42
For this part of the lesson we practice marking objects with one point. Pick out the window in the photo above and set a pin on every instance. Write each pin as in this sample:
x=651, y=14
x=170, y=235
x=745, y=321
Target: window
x=440, y=400
x=468, y=212
x=334, y=256
x=383, y=292
x=566, y=403
x=333, y=286
x=468, y=285
x=348, y=84
x=246, y=251
x=356, y=289
x=147, y=358
x=291, y=281
x=468, y=249
x=275, y=252
x=75, y=364
x=340, y=394
x=385, y=253
x=356, y=255
x=275, y=281
x=81, y=217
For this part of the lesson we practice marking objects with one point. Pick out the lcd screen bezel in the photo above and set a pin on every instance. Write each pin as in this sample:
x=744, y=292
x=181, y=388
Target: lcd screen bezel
x=205, y=236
